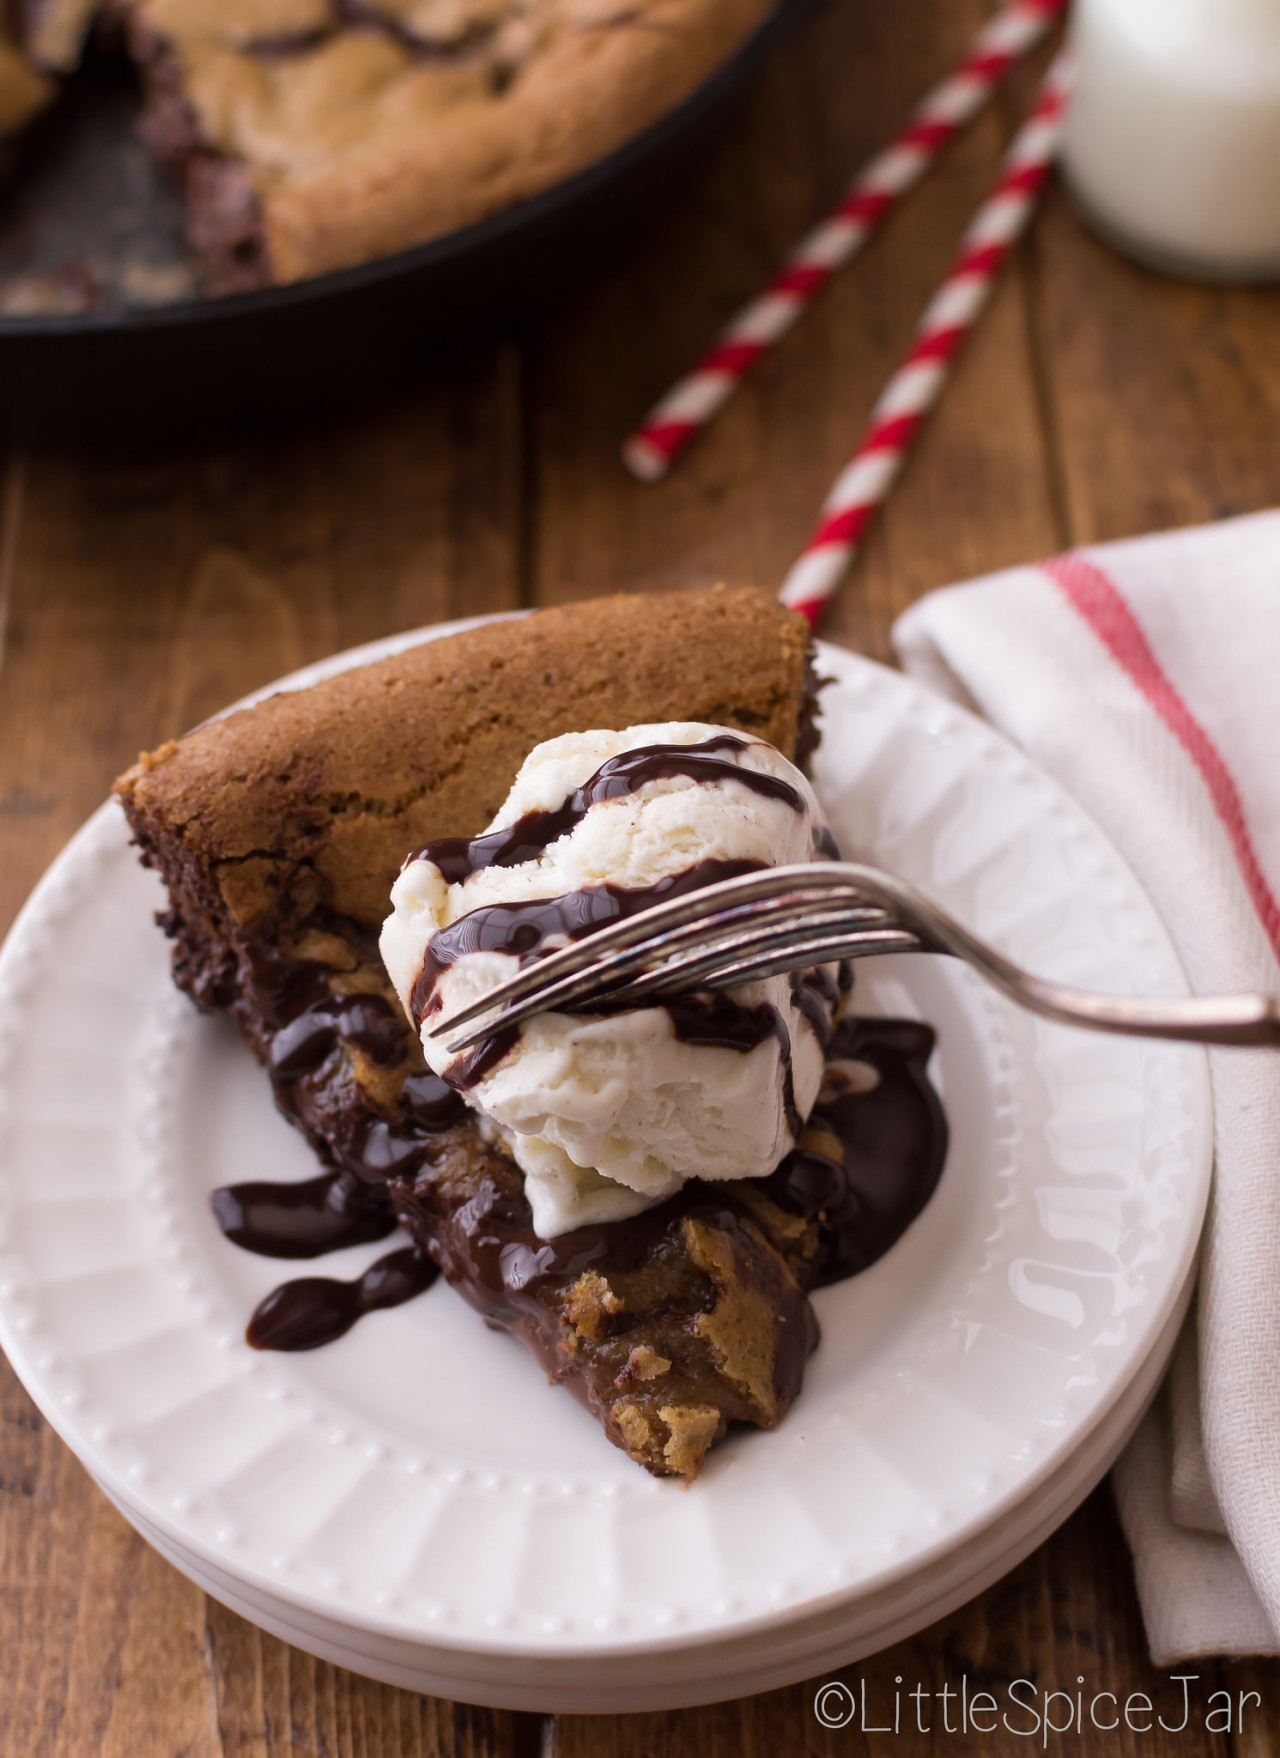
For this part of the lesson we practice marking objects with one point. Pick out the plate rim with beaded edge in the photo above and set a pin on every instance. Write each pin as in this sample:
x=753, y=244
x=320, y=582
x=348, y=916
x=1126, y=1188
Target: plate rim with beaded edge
x=955, y=1375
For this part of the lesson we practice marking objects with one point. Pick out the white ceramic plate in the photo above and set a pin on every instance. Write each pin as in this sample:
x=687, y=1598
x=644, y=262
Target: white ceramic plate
x=418, y=1481
x=707, y=1672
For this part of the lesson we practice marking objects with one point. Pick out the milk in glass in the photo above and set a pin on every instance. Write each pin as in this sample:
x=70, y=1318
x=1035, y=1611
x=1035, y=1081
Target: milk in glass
x=1172, y=143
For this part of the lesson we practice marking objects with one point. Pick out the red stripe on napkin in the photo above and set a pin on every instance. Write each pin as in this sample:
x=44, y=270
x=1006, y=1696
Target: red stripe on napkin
x=1100, y=602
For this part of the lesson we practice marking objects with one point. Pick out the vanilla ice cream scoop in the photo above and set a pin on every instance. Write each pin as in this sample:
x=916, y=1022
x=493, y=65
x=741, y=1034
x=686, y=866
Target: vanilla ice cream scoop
x=607, y=1114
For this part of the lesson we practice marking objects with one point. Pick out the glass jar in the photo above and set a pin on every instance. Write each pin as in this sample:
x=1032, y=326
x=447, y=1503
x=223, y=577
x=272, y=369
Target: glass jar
x=1172, y=143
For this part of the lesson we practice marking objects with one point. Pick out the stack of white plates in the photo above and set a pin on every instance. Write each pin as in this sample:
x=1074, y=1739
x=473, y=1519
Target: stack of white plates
x=414, y=1501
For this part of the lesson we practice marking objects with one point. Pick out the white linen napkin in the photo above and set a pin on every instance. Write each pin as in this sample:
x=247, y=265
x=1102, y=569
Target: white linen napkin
x=1146, y=677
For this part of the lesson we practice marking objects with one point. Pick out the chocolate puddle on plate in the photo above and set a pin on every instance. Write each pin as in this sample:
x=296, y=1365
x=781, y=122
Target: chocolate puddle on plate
x=313, y=1310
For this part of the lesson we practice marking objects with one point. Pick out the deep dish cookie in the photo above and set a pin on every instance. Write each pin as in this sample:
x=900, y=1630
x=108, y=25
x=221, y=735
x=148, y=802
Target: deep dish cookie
x=279, y=831
x=310, y=135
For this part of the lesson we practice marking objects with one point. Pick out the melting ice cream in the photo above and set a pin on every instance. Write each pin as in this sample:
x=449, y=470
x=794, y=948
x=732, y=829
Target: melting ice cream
x=608, y=1114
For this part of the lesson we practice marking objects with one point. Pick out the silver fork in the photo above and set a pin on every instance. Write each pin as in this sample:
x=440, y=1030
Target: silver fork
x=791, y=918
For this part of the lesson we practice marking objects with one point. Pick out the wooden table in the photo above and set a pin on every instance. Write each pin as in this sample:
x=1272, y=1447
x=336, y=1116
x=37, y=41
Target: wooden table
x=141, y=593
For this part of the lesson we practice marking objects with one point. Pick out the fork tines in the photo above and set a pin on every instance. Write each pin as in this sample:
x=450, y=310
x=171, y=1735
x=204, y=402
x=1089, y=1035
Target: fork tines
x=734, y=932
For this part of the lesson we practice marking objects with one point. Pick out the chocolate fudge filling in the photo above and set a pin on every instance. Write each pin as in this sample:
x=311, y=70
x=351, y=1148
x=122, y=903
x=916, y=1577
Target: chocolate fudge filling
x=667, y=1327
x=224, y=218
x=867, y=1162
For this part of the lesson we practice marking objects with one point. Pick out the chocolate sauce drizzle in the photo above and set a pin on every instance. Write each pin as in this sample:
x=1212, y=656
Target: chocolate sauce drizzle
x=303, y=1220
x=815, y=993
x=523, y=931
x=491, y=1257
x=348, y=1204
x=527, y=929
x=319, y=1309
x=367, y=1022
x=306, y=1026
x=529, y=838
x=893, y=1142
x=717, y=1020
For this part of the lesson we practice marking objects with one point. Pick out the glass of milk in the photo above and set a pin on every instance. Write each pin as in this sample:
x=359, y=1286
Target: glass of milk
x=1172, y=143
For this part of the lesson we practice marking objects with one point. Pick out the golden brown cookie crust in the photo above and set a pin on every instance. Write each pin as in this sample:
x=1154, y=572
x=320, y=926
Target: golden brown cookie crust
x=352, y=774
x=598, y=84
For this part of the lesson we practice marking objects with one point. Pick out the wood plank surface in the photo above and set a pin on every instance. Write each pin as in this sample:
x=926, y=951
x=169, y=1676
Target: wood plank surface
x=145, y=593
x=138, y=594
x=745, y=495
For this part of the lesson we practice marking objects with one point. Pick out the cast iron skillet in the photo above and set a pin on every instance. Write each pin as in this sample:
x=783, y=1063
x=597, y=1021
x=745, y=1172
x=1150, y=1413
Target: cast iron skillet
x=295, y=351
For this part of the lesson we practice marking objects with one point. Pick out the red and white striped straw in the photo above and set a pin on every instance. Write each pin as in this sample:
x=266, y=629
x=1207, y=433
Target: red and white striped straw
x=915, y=387
x=691, y=403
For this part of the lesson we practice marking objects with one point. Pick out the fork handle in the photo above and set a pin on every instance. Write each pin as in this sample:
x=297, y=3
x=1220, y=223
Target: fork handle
x=1196, y=1019
x=1248, y=1019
